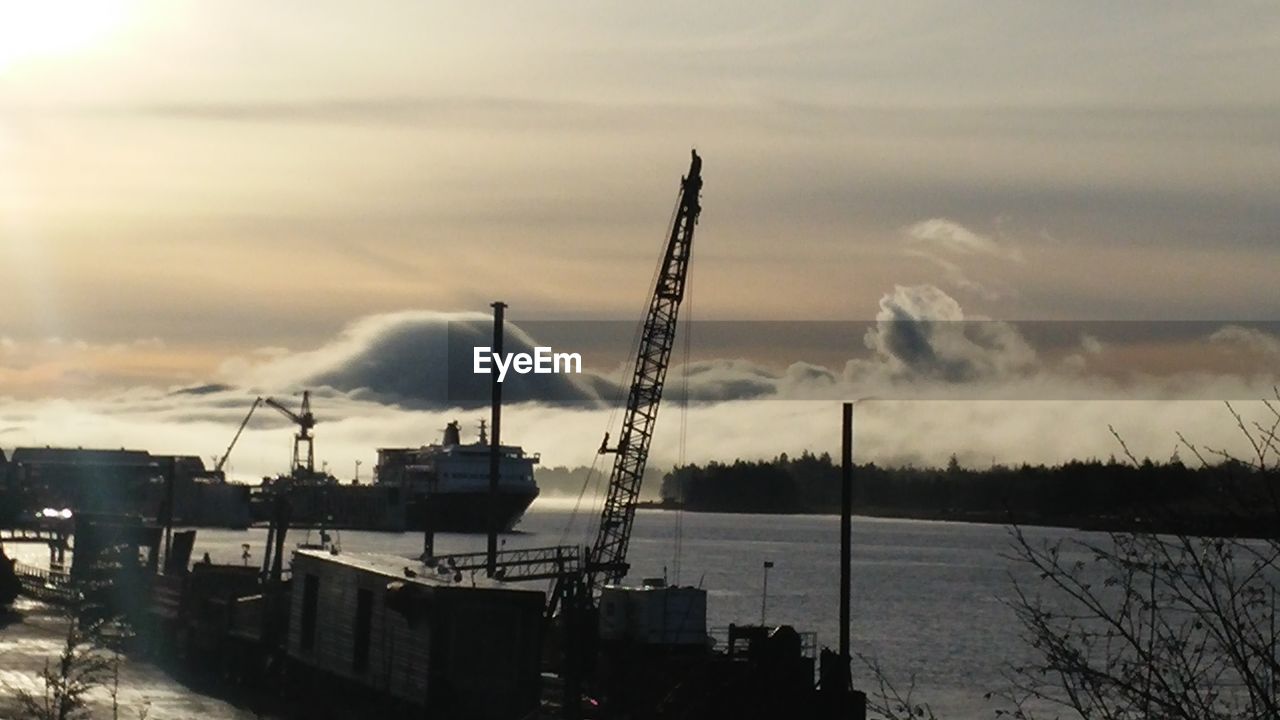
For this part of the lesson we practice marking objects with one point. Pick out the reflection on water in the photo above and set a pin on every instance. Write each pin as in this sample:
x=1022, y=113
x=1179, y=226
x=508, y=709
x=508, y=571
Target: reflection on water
x=925, y=594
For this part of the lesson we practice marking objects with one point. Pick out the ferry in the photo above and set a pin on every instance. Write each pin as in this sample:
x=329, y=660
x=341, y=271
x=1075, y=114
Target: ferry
x=447, y=484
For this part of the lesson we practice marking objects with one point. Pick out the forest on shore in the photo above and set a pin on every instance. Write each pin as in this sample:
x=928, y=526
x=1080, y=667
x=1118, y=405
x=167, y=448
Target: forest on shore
x=1228, y=498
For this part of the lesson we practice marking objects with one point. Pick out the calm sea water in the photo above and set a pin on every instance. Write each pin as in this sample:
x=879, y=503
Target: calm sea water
x=926, y=595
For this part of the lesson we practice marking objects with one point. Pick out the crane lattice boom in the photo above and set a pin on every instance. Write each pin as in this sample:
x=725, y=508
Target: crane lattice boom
x=607, y=558
x=223, y=461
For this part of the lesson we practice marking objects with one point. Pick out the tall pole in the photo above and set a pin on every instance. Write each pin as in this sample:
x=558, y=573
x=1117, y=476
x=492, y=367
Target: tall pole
x=495, y=440
x=171, y=477
x=280, y=519
x=764, y=591
x=846, y=527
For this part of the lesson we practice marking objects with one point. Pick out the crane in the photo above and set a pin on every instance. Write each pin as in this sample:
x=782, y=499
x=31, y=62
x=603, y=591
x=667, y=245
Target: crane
x=579, y=575
x=305, y=421
x=606, y=560
x=217, y=468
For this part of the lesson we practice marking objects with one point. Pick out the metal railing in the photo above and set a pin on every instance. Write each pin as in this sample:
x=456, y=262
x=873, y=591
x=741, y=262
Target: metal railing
x=54, y=586
x=545, y=563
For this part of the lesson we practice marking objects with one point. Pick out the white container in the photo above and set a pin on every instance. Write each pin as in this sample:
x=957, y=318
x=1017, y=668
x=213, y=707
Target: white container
x=654, y=615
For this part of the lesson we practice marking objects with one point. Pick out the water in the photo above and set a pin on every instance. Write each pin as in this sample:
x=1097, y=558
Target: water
x=926, y=595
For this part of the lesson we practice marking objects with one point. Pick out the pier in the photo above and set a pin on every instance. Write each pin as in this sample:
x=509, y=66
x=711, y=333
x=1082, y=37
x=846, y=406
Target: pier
x=54, y=533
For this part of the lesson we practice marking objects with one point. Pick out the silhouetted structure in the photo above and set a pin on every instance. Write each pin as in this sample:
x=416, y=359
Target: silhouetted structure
x=119, y=481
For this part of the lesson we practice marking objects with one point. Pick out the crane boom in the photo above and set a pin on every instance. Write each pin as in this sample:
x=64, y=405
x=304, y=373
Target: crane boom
x=607, y=558
x=305, y=421
x=218, y=467
x=280, y=407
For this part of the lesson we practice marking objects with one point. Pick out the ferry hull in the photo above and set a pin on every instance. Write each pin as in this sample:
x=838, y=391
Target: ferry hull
x=467, y=512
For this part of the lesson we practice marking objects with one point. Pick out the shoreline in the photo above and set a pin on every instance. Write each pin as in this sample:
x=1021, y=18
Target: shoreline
x=1208, y=526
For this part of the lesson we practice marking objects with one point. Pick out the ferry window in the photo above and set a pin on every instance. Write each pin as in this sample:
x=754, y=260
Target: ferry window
x=310, y=598
x=364, y=623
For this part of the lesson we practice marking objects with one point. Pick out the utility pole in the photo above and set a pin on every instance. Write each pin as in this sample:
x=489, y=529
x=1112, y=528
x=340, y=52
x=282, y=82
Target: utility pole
x=846, y=527
x=495, y=439
x=170, y=478
x=764, y=591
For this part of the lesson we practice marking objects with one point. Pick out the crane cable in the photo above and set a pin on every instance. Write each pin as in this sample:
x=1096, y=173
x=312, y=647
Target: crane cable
x=678, y=550
x=621, y=390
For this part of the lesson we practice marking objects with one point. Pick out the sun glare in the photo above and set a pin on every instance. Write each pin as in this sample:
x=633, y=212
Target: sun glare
x=40, y=29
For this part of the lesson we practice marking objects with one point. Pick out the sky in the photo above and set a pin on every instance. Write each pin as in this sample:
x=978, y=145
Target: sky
x=255, y=195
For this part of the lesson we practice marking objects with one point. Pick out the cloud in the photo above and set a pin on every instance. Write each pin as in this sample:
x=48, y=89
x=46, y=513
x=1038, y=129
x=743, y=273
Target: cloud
x=423, y=360
x=889, y=430
x=54, y=365
x=432, y=110
x=953, y=237
x=1249, y=339
x=934, y=238
x=386, y=380
x=1090, y=347
x=722, y=380
x=205, y=389
x=417, y=359
x=926, y=360
x=921, y=333
x=958, y=278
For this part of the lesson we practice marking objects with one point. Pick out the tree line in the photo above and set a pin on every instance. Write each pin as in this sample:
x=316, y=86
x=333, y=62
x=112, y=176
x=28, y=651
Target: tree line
x=1105, y=494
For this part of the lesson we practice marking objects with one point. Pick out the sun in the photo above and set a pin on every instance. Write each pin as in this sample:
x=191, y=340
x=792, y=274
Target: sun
x=40, y=29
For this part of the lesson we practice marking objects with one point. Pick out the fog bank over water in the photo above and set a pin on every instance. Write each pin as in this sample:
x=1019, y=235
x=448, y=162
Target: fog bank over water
x=887, y=432
x=940, y=382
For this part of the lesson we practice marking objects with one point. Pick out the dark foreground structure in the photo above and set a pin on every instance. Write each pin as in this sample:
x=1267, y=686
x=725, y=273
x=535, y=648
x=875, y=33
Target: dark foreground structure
x=418, y=640
x=355, y=635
